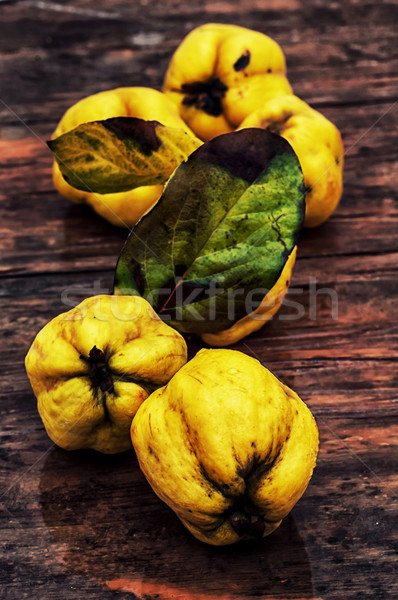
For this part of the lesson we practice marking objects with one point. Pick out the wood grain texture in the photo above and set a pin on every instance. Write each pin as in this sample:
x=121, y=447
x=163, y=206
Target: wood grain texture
x=79, y=525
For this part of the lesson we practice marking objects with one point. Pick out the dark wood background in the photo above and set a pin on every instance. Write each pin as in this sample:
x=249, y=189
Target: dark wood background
x=79, y=525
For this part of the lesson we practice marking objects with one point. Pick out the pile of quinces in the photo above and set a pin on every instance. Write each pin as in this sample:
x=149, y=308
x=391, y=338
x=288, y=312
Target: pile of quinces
x=220, y=79
x=220, y=439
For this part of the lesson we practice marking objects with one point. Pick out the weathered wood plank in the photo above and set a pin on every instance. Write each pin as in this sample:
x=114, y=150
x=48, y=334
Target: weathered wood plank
x=111, y=531
x=329, y=56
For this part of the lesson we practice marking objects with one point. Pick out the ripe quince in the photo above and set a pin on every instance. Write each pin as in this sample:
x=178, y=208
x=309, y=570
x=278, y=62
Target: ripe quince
x=92, y=367
x=227, y=446
x=219, y=74
x=269, y=306
x=123, y=209
x=319, y=148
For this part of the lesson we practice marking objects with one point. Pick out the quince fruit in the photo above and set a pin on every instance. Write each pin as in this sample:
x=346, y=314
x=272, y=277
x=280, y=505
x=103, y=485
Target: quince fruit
x=319, y=148
x=123, y=209
x=269, y=306
x=93, y=366
x=219, y=74
x=227, y=446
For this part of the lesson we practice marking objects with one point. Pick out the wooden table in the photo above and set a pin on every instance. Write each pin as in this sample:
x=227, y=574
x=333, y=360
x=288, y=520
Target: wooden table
x=80, y=525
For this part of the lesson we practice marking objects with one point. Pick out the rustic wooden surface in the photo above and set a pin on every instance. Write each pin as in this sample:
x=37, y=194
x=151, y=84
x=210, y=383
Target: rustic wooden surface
x=78, y=525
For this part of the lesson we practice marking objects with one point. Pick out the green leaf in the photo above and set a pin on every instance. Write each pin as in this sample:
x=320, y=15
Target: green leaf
x=224, y=226
x=120, y=154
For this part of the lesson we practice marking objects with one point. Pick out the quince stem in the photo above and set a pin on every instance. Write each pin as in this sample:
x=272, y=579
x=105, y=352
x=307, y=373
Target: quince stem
x=100, y=374
x=205, y=95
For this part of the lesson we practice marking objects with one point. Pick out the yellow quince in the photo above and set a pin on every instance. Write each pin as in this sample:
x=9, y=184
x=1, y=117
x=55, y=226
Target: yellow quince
x=92, y=367
x=227, y=446
x=219, y=74
x=123, y=209
x=319, y=148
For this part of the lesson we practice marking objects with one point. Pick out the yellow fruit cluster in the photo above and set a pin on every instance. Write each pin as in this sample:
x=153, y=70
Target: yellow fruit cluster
x=220, y=439
x=224, y=77
x=221, y=78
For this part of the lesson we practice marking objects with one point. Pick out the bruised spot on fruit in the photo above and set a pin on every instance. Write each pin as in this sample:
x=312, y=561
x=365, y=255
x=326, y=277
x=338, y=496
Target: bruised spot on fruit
x=242, y=61
x=150, y=426
x=205, y=95
x=337, y=160
x=289, y=393
x=147, y=387
x=276, y=127
x=264, y=123
x=193, y=377
x=223, y=489
x=244, y=471
x=138, y=130
x=308, y=190
x=152, y=453
x=279, y=126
